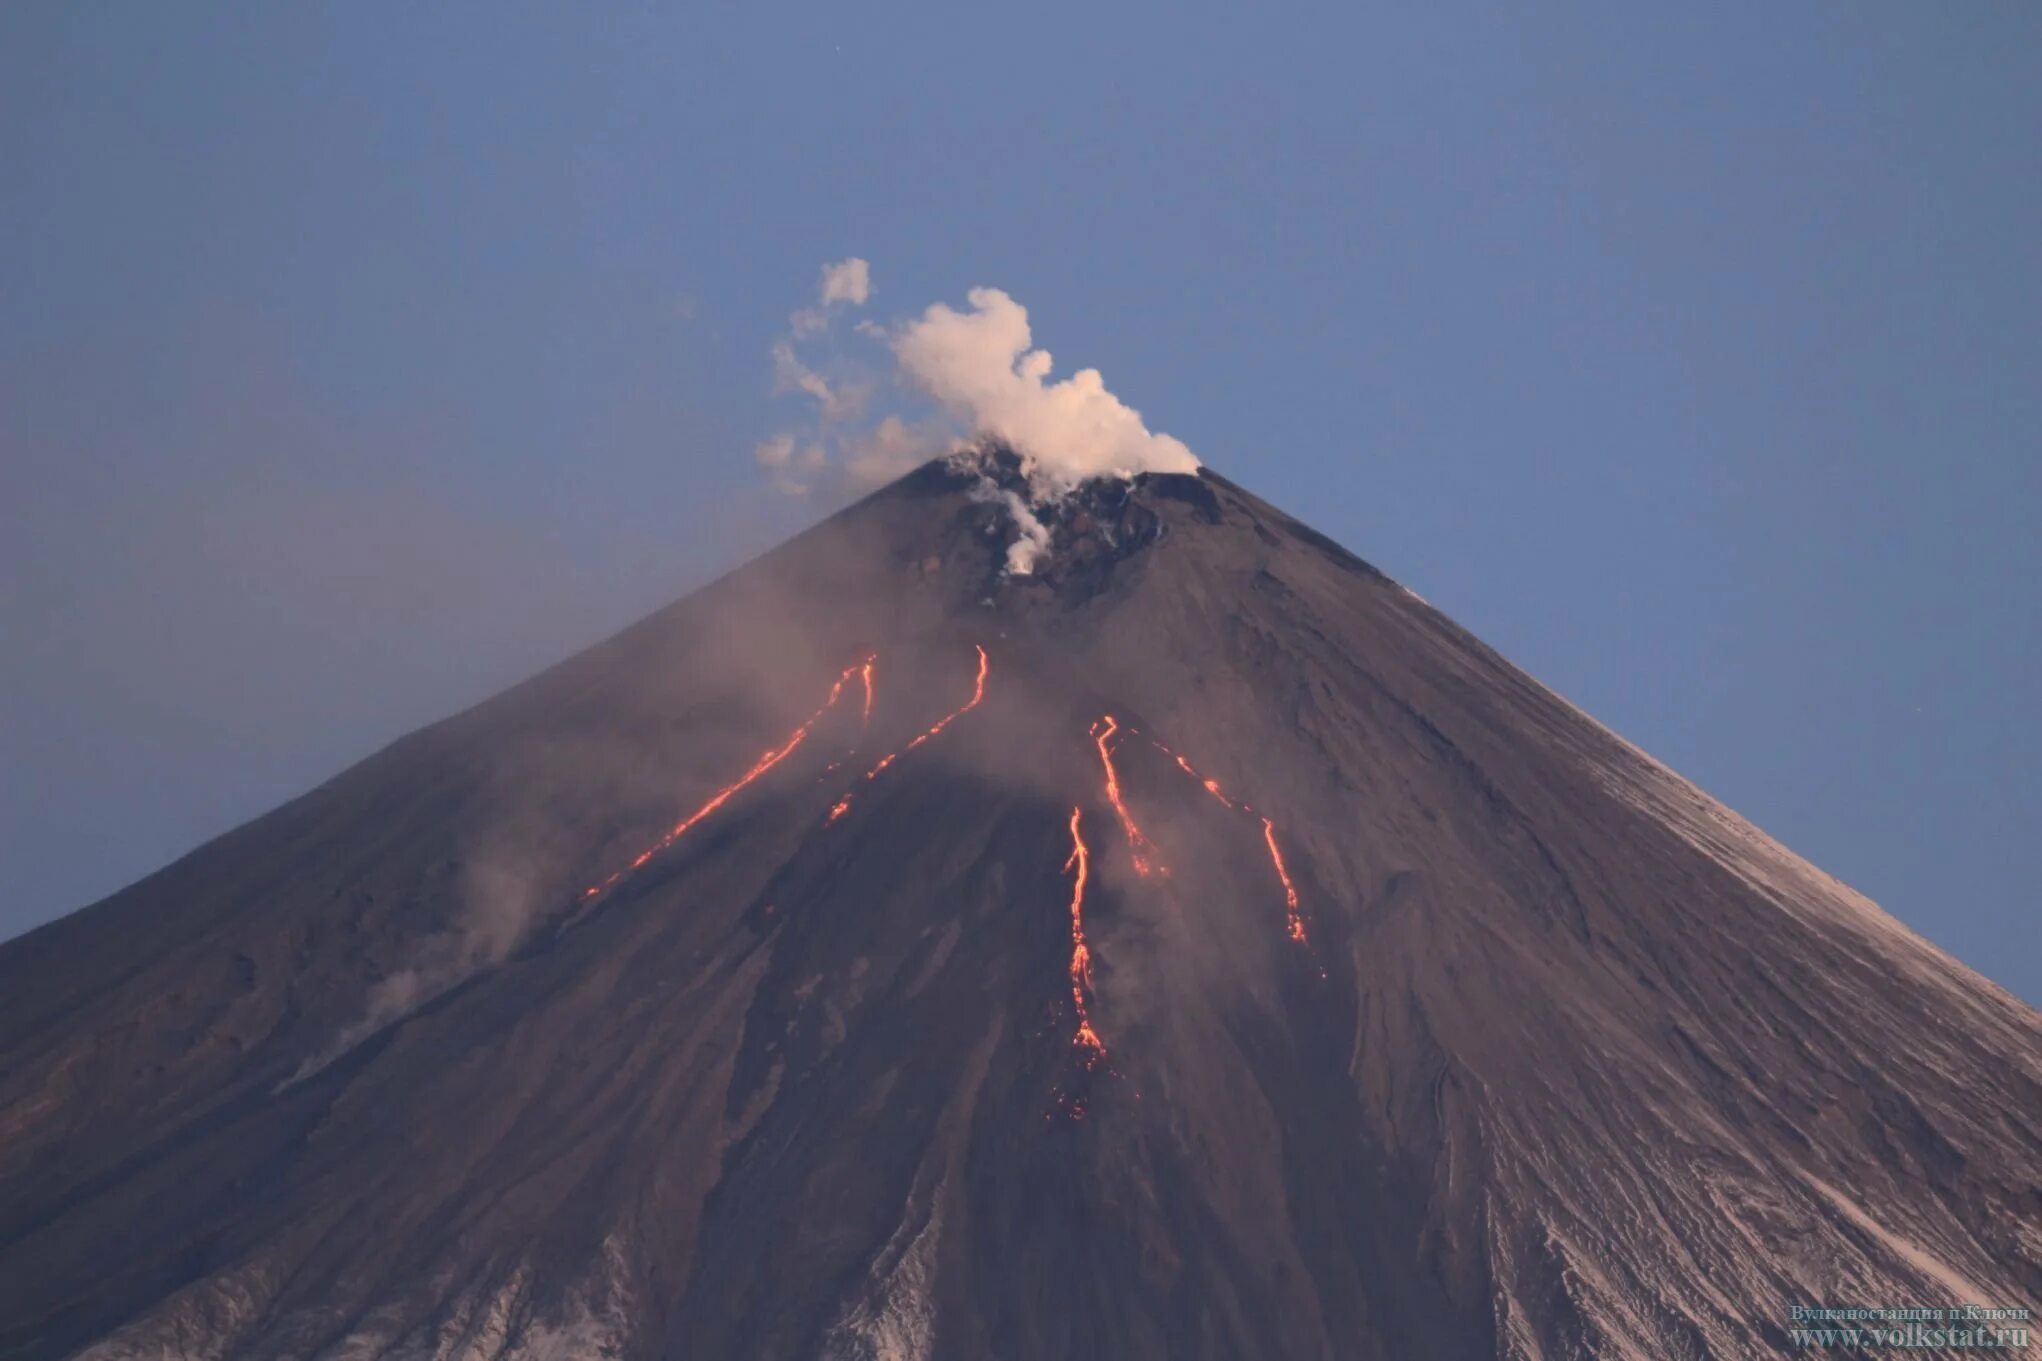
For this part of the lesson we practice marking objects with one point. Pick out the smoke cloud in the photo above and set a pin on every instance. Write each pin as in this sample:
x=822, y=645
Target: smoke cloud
x=509, y=878
x=980, y=365
x=559, y=806
x=1026, y=550
x=892, y=449
x=945, y=381
x=845, y=282
x=792, y=469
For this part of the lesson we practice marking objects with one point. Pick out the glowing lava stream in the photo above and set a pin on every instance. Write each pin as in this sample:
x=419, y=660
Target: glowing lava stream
x=1086, y=1038
x=724, y=795
x=1139, y=845
x=865, y=670
x=978, y=692
x=1294, y=917
x=1290, y=893
x=1212, y=787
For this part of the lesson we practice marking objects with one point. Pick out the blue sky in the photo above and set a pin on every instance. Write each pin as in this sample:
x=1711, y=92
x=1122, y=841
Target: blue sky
x=357, y=360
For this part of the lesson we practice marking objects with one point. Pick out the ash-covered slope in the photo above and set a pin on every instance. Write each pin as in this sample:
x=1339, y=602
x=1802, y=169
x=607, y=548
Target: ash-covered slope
x=1201, y=949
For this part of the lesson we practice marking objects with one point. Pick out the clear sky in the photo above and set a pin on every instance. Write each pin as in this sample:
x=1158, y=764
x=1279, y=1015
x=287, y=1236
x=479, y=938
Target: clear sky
x=356, y=360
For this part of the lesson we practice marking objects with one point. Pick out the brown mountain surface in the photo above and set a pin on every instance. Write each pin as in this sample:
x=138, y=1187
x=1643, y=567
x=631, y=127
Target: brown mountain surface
x=1200, y=949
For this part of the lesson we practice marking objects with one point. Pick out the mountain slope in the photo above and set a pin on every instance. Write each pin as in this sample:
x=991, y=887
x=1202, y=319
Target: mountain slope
x=1553, y=1056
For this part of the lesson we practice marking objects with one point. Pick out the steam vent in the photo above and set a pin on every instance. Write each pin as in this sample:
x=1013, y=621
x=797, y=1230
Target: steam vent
x=1197, y=947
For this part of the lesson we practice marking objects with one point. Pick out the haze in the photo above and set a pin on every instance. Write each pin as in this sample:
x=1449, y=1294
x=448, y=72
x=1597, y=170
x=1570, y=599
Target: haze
x=354, y=365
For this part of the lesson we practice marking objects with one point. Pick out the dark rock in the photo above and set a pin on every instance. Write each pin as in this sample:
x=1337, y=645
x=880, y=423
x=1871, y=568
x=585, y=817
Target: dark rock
x=1571, y=1061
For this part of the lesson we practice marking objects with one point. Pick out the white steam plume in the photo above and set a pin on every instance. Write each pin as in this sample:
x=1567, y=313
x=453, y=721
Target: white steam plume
x=1027, y=550
x=796, y=458
x=847, y=281
x=979, y=366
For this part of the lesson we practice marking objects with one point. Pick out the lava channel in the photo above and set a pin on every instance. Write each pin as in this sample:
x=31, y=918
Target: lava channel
x=1211, y=786
x=1143, y=850
x=1086, y=1040
x=1294, y=917
x=724, y=795
x=978, y=692
x=1290, y=892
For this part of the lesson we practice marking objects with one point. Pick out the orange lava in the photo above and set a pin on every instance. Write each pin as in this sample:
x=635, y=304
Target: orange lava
x=1295, y=917
x=1086, y=1039
x=1138, y=844
x=1290, y=893
x=1212, y=787
x=978, y=693
x=724, y=795
x=865, y=670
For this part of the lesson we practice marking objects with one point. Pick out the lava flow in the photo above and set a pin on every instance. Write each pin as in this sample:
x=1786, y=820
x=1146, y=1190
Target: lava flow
x=978, y=692
x=1290, y=893
x=865, y=670
x=1294, y=917
x=1086, y=1038
x=724, y=795
x=1139, y=845
x=1212, y=786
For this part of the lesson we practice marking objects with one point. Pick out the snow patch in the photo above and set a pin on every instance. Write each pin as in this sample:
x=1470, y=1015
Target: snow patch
x=895, y=1320
x=1962, y=1289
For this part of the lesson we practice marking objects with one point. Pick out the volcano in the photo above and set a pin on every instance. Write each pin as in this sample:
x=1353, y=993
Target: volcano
x=1197, y=948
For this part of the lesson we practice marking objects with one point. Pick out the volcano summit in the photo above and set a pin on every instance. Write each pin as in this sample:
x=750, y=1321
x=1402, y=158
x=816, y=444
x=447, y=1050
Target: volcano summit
x=1197, y=947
